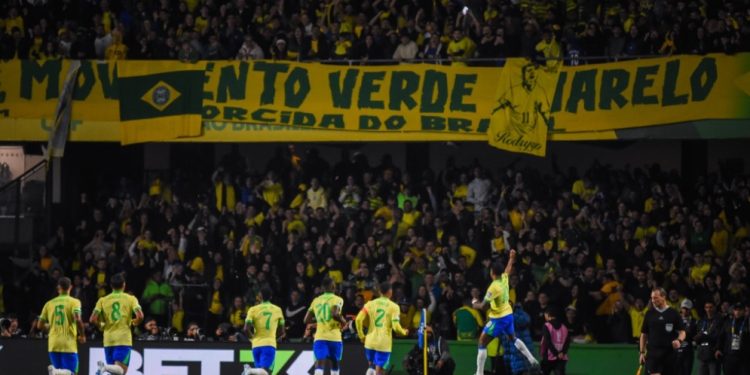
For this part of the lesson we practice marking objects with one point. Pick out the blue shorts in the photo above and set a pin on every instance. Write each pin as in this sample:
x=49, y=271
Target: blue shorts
x=380, y=359
x=500, y=326
x=120, y=354
x=324, y=349
x=64, y=361
x=264, y=357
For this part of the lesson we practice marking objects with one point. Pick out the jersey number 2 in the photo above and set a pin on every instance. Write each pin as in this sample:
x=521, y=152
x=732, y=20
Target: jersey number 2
x=379, y=315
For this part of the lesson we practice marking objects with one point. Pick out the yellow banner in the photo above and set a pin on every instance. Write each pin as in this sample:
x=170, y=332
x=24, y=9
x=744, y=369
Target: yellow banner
x=267, y=101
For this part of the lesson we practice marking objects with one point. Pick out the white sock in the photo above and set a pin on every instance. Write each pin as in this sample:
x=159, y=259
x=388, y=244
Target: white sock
x=62, y=372
x=114, y=369
x=258, y=371
x=334, y=372
x=481, y=358
x=370, y=371
x=525, y=351
x=318, y=371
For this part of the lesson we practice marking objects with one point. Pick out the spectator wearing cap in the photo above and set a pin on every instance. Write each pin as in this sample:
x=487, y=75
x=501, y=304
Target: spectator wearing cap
x=685, y=353
x=734, y=342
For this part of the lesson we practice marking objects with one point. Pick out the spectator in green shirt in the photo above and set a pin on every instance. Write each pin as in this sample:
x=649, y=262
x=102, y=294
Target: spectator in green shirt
x=157, y=296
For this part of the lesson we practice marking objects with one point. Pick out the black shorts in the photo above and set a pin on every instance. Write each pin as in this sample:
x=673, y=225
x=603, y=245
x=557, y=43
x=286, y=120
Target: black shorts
x=660, y=361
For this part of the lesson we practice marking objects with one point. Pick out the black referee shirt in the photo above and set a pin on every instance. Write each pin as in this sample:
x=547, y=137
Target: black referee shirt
x=661, y=328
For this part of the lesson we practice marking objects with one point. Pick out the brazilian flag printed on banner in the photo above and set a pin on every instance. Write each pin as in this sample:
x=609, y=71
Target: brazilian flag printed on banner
x=159, y=102
x=521, y=116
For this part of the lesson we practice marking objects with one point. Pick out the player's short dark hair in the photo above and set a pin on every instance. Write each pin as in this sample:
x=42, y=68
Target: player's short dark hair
x=327, y=283
x=385, y=287
x=498, y=268
x=117, y=281
x=64, y=283
x=266, y=293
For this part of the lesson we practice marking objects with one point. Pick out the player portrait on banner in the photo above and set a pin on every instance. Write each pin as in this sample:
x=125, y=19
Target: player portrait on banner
x=521, y=117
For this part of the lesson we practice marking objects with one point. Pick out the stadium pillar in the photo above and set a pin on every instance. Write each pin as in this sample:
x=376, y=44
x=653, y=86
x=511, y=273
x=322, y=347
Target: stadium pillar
x=694, y=160
x=417, y=159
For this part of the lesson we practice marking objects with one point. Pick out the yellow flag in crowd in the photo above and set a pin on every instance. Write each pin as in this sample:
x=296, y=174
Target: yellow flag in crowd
x=521, y=115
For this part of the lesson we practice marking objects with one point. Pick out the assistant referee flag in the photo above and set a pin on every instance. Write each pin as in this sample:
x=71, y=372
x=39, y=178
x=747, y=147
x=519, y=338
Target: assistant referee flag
x=158, y=102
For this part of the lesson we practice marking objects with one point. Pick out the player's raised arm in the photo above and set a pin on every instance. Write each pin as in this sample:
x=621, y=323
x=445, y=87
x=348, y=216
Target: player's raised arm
x=511, y=260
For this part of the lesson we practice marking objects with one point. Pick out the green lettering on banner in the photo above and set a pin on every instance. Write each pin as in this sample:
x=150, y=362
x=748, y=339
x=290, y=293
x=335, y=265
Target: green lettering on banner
x=668, y=96
x=259, y=115
x=369, y=122
x=433, y=123
x=48, y=72
x=461, y=89
x=559, y=89
x=110, y=84
x=484, y=124
x=270, y=71
x=459, y=125
x=700, y=88
x=85, y=81
x=395, y=122
x=614, y=83
x=231, y=85
x=208, y=95
x=370, y=86
x=642, y=82
x=210, y=112
x=583, y=88
x=296, y=87
x=303, y=119
x=337, y=121
x=434, y=92
x=234, y=113
x=342, y=95
x=403, y=86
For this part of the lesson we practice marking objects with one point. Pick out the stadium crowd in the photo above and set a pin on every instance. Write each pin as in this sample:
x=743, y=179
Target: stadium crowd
x=402, y=30
x=592, y=245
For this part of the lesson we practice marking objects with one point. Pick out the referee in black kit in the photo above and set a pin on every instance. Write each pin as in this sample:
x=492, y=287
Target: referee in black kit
x=661, y=335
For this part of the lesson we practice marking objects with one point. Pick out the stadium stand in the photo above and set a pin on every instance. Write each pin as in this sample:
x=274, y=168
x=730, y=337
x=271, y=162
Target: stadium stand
x=576, y=30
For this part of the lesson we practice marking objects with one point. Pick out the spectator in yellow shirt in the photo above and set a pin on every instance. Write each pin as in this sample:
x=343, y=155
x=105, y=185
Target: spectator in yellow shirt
x=460, y=48
x=720, y=239
x=316, y=195
x=117, y=50
x=550, y=49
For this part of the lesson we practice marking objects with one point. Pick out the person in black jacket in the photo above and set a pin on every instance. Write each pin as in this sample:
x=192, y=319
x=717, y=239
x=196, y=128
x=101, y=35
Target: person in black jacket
x=685, y=354
x=662, y=333
x=707, y=341
x=439, y=359
x=734, y=342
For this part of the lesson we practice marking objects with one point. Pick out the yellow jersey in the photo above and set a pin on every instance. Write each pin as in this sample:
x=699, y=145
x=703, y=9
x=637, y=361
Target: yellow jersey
x=265, y=319
x=498, y=296
x=383, y=317
x=328, y=329
x=116, y=311
x=60, y=313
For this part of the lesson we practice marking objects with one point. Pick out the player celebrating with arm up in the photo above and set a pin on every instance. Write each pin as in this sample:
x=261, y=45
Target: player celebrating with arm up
x=62, y=315
x=326, y=310
x=384, y=317
x=500, y=314
x=117, y=312
x=267, y=322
